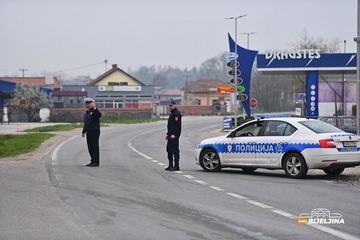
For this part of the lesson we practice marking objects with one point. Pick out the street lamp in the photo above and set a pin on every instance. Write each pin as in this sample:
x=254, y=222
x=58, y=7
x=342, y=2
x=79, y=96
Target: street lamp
x=235, y=67
x=248, y=37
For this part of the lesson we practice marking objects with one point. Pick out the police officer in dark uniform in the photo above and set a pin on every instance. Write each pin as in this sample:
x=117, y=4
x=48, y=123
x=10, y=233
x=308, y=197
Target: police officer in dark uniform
x=92, y=130
x=172, y=137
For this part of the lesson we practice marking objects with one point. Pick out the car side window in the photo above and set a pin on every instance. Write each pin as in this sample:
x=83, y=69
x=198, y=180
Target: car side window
x=272, y=128
x=289, y=130
x=278, y=128
x=249, y=130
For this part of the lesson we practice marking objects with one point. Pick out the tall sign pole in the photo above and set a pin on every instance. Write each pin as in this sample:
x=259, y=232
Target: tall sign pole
x=357, y=40
x=235, y=68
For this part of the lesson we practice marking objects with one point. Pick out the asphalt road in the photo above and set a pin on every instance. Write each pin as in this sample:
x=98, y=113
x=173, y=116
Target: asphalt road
x=130, y=196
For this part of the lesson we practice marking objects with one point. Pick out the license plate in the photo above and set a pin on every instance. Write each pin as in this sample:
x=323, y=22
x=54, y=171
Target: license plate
x=349, y=144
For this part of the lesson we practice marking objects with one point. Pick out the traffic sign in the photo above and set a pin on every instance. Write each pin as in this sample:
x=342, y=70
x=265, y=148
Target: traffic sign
x=231, y=56
x=240, y=89
x=232, y=72
x=253, y=103
x=233, y=63
x=242, y=97
x=239, y=81
x=225, y=88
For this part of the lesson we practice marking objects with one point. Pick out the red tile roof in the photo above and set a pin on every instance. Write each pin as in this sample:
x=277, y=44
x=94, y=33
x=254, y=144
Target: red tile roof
x=37, y=81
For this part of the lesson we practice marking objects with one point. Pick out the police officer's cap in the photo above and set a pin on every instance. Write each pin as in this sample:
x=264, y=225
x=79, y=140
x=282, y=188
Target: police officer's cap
x=172, y=102
x=88, y=100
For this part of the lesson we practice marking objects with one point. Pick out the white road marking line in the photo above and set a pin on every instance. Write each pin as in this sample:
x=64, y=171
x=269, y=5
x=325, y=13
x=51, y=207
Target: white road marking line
x=161, y=164
x=55, y=169
x=201, y=182
x=333, y=232
x=216, y=188
x=54, y=163
x=138, y=152
x=189, y=176
x=58, y=177
x=54, y=154
x=236, y=195
x=155, y=161
x=282, y=213
x=259, y=204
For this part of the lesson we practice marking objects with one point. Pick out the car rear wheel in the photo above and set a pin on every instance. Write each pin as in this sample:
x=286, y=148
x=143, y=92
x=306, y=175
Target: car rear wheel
x=333, y=170
x=209, y=161
x=294, y=165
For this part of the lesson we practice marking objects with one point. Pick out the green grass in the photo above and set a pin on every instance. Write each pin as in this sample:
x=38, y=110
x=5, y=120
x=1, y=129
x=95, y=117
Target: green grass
x=13, y=145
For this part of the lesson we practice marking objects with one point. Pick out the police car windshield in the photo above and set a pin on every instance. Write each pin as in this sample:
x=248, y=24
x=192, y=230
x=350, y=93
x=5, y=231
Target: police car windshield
x=320, y=127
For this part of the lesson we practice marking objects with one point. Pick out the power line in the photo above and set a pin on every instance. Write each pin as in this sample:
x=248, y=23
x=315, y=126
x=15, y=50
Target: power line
x=80, y=67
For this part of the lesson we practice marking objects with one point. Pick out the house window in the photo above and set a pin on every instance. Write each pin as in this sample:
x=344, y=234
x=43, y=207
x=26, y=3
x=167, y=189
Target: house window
x=71, y=99
x=113, y=83
x=78, y=99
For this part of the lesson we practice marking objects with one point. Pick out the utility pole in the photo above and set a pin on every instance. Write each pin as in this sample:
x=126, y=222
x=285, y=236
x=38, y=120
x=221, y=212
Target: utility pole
x=357, y=40
x=187, y=76
x=248, y=37
x=23, y=70
x=235, y=66
x=186, y=89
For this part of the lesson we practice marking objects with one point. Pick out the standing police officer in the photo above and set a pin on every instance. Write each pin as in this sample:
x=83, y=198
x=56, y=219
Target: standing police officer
x=92, y=130
x=172, y=137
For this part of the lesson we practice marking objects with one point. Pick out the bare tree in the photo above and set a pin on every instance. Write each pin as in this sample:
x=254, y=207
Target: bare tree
x=29, y=99
x=159, y=80
x=215, y=68
x=308, y=41
x=273, y=92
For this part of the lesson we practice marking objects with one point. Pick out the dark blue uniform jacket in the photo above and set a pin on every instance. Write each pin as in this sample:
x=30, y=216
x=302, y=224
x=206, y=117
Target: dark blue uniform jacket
x=174, y=123
x=91, y=120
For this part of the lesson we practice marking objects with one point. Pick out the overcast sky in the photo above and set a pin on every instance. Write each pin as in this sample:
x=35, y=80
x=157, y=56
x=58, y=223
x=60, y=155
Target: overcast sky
x=60, y=35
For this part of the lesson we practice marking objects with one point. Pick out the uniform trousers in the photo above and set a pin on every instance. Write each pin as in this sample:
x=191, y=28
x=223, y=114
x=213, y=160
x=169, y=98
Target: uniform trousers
x=92, y=139
x=172, y=148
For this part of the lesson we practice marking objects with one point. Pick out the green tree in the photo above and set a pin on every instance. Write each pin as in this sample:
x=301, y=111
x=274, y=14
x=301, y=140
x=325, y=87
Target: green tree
x=29, y=99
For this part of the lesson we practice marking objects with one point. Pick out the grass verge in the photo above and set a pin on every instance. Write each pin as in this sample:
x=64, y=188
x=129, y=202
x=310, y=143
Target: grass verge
x=14, y=145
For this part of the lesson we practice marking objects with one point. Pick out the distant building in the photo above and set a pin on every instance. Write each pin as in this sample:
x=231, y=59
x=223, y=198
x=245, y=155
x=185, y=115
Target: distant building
x=113, y=89
x=204, y=92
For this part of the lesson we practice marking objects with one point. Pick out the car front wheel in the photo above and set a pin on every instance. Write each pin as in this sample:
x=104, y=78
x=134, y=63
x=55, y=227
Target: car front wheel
x=333, y=170
x=294, y=165
x=209, y=161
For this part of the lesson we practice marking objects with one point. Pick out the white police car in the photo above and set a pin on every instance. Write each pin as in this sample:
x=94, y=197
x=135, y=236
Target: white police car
x=292, y=144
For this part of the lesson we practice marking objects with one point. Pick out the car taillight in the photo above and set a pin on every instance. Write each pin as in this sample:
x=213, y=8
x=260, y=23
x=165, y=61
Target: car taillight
x=327, y=143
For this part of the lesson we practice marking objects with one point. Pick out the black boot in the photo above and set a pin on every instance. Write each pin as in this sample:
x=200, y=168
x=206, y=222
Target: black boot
x=170, y=165
x=176, y=167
